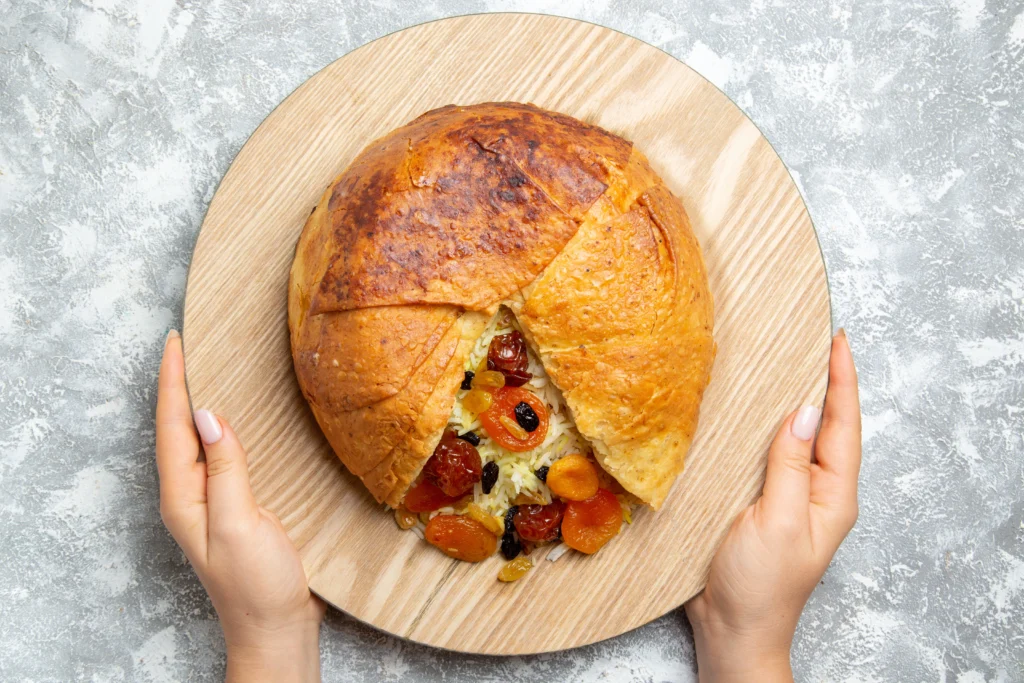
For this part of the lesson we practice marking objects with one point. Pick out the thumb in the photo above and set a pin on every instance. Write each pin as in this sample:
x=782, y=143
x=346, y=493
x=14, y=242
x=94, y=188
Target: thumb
x=787, y=485
x=228, y=495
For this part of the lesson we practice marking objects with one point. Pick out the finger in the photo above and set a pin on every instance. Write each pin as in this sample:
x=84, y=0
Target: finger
x=788, y=480
x=177, y=446
x=320, y=607
x=696, y=610
x=229, y=497
x=182, y=482
x=838, y=449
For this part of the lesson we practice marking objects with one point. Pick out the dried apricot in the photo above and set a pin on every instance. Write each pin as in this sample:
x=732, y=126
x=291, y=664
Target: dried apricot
x=573, y=478
x=499, y=421
x=461, y=537
x=515, y=569
x=589, y=524
x=455, y=465
x=539, y=523
x=426, y=497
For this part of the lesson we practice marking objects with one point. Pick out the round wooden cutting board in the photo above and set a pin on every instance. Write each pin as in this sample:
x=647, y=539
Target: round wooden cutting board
x=772, y=314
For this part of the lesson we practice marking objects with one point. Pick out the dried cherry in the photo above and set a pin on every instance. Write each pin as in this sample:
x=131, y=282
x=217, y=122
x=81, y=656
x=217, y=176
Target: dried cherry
x=507, y=355
x=455, y=465
x=539, y=523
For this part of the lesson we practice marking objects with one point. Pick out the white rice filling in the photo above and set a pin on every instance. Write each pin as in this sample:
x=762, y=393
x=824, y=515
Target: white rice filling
x=516, y=471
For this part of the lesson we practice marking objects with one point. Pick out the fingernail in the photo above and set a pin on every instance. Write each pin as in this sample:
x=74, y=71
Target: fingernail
x=208, y=426
x=171, y=334
x=805, y=423
x=841, y=332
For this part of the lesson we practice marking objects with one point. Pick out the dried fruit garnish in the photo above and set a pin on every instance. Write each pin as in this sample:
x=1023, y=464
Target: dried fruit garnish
x=589, y=524
x=471, y=437
x=515, y=570
x=454, y=467
x=467, y=380
x=526, y=417
x=510, y=515
x=478, y=513
x=573, y=478
x=490, y=476
x=489, y=379
x=542, y=473
x=511, y=436
x=461, y=537
x=539, y=523
x=426, y=497
x=477, y=401
x=510, y=547
x=507, y=354
x=513, y=428
x=404, y=518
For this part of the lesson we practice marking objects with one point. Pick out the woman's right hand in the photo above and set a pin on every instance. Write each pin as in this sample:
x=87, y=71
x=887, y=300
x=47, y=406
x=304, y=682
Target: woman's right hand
x=778, y=548
x=240, y=551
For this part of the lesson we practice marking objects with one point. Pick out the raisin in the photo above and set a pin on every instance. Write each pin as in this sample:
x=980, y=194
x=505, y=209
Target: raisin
x=514, y=570
x=467, y=381
x=510, y=547
x=477, y=400
x=526, y=417
x=542, y=473
x=470, y=437
x=490, y=476
x=454, y=467
x=509, y=516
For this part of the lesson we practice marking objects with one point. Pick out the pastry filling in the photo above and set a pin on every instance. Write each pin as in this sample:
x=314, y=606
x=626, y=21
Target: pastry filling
x=511, y=467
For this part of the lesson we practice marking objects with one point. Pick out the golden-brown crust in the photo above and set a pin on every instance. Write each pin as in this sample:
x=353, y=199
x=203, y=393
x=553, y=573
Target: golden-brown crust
x=464, y=206
x=468, y=207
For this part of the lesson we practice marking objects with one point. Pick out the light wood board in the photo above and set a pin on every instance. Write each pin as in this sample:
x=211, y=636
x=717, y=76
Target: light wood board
x=772, y=312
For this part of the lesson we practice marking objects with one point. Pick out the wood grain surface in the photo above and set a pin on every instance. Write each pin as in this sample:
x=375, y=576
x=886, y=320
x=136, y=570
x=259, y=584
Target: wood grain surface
x=773, y=324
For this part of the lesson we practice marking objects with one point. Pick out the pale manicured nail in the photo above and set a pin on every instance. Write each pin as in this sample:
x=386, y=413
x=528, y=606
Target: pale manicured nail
x=208, y=426
x=171, y=334
x=804, y=424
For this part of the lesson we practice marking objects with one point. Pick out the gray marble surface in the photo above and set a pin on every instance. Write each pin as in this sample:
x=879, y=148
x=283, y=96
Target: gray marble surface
x=903, y=122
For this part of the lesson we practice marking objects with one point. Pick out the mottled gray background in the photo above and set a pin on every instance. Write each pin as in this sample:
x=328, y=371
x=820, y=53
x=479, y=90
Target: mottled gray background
x=902, y=122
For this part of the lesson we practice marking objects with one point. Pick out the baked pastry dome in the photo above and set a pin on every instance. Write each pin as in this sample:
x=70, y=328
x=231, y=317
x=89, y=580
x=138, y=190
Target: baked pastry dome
x=431, y=228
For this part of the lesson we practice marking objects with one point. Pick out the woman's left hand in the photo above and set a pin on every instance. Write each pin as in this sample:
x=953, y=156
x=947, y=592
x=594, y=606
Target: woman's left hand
x=240, y=551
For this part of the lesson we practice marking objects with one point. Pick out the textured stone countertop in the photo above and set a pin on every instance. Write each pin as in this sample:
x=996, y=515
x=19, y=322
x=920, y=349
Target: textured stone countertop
x=903, y=123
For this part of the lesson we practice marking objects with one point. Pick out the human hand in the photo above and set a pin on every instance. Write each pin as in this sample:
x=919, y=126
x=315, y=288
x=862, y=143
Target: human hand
x=240, y=551
x=778, y=548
